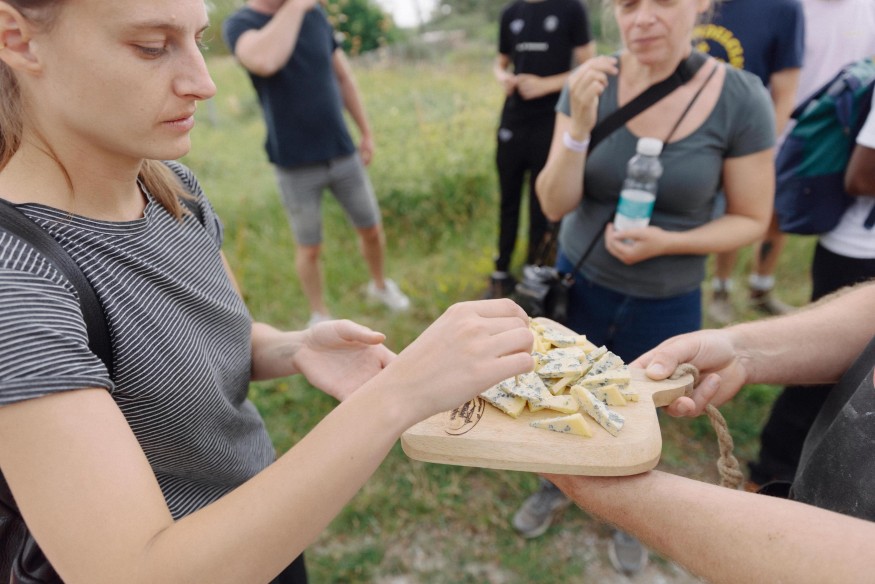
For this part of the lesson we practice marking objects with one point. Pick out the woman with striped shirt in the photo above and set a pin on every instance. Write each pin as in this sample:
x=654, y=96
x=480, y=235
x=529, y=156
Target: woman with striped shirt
x=164, y=472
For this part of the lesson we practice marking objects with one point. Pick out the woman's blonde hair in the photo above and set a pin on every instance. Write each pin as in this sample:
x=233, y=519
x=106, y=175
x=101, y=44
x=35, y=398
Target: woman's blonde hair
x=158, y=179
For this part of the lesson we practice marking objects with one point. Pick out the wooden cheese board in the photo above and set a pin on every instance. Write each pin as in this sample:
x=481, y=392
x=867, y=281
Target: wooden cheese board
x=478, y=434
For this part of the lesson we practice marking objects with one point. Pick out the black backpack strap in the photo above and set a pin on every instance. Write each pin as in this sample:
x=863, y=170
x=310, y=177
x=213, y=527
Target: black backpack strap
x=19, y=225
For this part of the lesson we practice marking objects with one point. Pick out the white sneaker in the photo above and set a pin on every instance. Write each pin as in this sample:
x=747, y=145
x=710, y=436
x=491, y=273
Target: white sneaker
x=391, y=295
x=318, y=317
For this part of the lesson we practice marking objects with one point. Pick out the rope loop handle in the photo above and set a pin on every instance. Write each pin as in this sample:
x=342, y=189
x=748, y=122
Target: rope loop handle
x=730, y=472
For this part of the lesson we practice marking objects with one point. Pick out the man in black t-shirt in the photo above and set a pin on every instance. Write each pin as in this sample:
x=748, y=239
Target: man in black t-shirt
x=539, y=43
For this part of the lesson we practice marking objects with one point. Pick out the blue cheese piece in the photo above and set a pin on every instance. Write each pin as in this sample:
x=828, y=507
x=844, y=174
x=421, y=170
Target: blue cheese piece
x=629, y=394
x=561, y=367
x=573, y=424
x=557, y=387
x=541, y=345
x=619, y=377
x=528, y=386
x=565, y=404
x=509, y=404
x=607, y=419
x=558, y=338
x=573, y=352
x=609, y=394
x=604, y=363
x=596, y=354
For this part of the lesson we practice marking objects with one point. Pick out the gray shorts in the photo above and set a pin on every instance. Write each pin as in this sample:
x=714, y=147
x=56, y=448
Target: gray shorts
x=301, y=190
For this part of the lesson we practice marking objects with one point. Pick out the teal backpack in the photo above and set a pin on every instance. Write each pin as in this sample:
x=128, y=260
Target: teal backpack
x=810, y=196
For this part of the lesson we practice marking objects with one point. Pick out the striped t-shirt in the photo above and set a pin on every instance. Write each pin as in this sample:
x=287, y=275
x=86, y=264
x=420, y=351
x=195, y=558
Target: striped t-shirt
x=181, y=339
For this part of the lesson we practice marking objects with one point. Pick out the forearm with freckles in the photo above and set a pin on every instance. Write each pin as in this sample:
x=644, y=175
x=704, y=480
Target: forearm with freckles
x=729, y=536
x=813, y=345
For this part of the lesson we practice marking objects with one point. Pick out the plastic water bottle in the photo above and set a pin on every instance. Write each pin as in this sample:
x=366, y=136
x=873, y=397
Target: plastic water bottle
x=639, y=189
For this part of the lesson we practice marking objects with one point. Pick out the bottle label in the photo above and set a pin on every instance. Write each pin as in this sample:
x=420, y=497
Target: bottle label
x=636, y=204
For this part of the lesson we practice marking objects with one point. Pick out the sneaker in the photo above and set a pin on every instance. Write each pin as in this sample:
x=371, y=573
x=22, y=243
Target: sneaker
x=318, y=317
x=626, y=553
x=720, y=308
x=391, y=295
x=765, y=302
x=539, y=511
x=500, y=287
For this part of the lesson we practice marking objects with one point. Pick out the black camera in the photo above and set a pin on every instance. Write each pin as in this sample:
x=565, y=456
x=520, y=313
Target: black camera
x=543, y=291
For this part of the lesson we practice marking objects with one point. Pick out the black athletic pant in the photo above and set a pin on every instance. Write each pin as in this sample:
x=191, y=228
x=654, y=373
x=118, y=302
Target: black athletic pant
x=794, y=411
x=522, y=148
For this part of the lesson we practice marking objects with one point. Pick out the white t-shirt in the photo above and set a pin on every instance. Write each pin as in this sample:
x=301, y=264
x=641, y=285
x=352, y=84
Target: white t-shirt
x=850, y=237
x=836, y=33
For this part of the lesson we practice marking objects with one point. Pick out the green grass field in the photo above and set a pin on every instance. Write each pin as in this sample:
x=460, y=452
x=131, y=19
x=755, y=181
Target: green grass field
x=434, y=175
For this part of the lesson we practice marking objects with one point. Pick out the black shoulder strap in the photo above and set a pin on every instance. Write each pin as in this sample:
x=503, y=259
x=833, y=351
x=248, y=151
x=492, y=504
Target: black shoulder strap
x=18, y=224
x=685, y=71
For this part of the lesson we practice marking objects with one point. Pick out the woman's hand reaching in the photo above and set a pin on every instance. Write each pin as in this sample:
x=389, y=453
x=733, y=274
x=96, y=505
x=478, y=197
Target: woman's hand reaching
x=472, y=346
x=338, y=356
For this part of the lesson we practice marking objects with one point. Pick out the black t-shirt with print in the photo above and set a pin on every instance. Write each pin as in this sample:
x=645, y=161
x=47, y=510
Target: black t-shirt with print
x=539, y=37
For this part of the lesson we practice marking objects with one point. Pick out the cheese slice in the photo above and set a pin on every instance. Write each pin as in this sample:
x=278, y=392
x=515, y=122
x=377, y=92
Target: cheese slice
x=607, y=419
x=575, y=352
x=609, y=394
x=614, y=376
x=565, y=404
x=596, y=354
x=585, y=344
x=572, y=424
x=509, y=404
x=605, y=363
x=528, y=386
x=558, y=386
x=558, y=338
x=629, y=394
x=562, y=367
x=541, y=345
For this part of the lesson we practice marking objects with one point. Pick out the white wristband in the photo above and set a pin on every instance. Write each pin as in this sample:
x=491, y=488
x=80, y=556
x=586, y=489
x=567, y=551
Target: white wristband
x=575, y=145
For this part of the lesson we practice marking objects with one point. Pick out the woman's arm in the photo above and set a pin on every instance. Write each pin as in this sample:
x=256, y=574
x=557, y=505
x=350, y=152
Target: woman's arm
x=91, y=499
x=560, y=184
